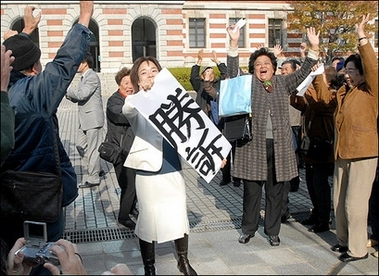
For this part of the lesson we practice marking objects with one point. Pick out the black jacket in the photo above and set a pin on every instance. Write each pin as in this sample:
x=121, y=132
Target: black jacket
x=119, y=130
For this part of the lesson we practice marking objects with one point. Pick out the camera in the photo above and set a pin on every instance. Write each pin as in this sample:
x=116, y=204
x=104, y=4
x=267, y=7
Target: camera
x=37, y=249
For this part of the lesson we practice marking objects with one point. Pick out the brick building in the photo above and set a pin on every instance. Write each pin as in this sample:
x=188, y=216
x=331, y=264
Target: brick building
x=172, y=31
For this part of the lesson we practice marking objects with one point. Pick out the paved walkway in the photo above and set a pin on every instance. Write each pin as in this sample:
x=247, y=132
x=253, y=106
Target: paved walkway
x=215, y=219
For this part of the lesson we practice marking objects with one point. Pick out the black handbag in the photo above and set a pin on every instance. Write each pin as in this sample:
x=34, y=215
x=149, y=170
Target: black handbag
x=316, y=148
x=31, y=196
x=110, y=152
x=238, y=127
x=35, y=196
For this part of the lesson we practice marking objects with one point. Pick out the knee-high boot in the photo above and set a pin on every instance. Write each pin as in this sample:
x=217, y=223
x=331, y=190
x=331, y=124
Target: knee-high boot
x=148, y=256
x=184, y=266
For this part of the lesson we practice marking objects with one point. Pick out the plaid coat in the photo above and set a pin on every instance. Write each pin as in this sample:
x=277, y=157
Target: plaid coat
x=251, y=157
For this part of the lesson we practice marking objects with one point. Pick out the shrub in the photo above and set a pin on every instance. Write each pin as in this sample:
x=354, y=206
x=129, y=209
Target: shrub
x=183, y=75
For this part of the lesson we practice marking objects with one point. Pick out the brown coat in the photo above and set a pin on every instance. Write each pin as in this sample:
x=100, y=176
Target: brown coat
x=356, y=116
x=251, y=158
x=321, y=115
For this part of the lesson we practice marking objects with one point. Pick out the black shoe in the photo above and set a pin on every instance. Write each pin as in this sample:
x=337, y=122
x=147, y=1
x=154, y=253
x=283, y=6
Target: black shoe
x=347, y=258
x=101, y=173
x=339, y=248
x=310, y=221
x=88, y=185
x=224, y=183
x=128, y=223
x=236, y=182
x=274, y=240
x=320, y=227
x=285, y=217
x=245, y=238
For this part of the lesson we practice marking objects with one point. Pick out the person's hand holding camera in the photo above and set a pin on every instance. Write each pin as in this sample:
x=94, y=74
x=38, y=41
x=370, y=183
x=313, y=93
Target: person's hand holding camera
x=69, y=259
x=16, y=264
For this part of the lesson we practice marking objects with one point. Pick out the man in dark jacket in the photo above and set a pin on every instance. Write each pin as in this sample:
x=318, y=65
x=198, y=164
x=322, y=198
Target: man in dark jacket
x=35, y=96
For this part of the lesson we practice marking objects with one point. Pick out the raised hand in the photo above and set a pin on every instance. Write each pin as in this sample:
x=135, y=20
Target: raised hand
x=31, y=21
x=234, y=36
x=277, y=50
x=313, y=38
x=360, y=28
x=86, y=11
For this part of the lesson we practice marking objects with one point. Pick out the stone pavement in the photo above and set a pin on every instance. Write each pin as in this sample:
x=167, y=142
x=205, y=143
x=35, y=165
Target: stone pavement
x=215, y=215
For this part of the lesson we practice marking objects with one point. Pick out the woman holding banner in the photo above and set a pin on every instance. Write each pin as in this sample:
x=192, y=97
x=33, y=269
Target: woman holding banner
x=160, y=185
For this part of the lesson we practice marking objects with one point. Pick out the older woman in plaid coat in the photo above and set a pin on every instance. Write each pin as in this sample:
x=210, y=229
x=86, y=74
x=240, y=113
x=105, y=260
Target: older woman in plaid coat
x=269, y=157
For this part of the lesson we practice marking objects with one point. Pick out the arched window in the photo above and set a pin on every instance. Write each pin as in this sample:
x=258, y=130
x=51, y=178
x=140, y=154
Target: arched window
x=94, y=45
x=143, y=38
x=19, y=25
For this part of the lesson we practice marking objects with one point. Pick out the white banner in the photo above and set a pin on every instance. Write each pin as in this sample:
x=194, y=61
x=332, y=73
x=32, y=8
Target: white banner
x=177, y=117
x=302, y=88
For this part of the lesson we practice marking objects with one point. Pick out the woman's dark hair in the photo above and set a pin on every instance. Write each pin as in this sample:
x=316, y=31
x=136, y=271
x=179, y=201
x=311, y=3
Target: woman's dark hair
x=261, y=52
x=356, y=59
x=331, y=77
x=134, y=71
x=121, y=74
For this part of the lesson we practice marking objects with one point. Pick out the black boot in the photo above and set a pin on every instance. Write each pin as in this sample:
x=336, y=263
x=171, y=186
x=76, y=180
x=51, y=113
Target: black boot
x=148, y=256
x=184, y=266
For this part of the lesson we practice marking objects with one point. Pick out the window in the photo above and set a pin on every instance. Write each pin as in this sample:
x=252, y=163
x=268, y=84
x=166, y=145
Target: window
x=274, y=32
x=241, y=41
x=19, y=25
x=197, y=32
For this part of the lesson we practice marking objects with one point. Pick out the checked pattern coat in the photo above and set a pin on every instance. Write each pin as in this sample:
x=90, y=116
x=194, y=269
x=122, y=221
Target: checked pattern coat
x=250, y=157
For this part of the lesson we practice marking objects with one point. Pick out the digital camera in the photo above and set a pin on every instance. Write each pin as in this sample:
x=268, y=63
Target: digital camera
x=37, y=249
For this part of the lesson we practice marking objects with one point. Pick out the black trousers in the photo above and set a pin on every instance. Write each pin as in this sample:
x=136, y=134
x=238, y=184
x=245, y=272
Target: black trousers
x=128, y=199
x=316, y=176
x=252, y=199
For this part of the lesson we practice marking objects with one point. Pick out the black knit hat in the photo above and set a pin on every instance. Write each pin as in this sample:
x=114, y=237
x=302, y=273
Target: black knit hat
x=24, y=50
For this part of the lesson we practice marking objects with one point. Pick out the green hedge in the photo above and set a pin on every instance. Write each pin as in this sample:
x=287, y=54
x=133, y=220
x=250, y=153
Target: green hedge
x=183, y=75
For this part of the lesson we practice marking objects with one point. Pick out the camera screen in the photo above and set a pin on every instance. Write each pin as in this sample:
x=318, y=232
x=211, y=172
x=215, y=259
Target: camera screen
x=35, y=230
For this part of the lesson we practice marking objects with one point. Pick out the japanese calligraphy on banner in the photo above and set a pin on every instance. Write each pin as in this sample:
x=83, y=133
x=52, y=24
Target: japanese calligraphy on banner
x=177, y=117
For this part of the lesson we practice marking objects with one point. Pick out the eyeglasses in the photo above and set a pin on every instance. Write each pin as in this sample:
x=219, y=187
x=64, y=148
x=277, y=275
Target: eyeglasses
x=350, y=70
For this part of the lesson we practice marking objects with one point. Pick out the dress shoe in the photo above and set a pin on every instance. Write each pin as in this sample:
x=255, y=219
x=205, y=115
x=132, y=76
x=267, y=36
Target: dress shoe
x=128, y=223
x=236, y=182
x=371, y=243
x=87, y=184
x=347, y=258
x=101, y=173
x=245, y=238
x=319, y=227
x=309, y=221
x=224, y=183
x=339, y=248
x=285, y=217
x=375, y=254
x=274, y=240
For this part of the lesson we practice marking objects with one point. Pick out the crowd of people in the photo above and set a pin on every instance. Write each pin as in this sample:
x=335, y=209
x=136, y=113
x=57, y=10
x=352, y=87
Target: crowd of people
x=342, y=111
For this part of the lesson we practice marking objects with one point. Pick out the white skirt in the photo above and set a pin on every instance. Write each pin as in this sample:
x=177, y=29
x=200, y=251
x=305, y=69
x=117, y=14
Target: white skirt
x=162, y=205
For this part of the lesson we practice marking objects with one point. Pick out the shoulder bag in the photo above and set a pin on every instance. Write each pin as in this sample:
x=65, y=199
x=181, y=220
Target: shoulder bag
x=235, y=96
x=35, y=196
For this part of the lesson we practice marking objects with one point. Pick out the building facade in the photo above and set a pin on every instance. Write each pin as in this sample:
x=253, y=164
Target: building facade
x=172, y=31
